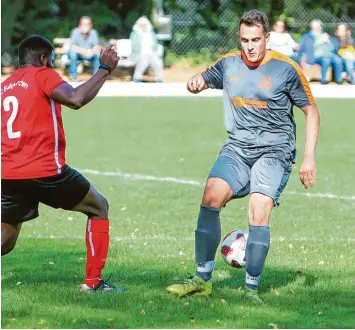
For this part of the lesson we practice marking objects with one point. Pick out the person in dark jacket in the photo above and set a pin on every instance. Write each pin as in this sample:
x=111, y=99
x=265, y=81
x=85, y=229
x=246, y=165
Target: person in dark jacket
x=319, y=48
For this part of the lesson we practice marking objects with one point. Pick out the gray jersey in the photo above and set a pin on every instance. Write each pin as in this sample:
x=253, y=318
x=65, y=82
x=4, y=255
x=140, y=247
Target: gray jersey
x=258, y=101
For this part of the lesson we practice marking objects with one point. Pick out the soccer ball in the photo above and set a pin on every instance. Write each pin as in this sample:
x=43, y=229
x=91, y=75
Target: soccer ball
x=233, y=248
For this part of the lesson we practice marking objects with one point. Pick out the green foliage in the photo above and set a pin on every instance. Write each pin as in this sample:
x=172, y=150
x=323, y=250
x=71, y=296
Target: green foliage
x=57, y=18
x=284, y=16
x=204, y=57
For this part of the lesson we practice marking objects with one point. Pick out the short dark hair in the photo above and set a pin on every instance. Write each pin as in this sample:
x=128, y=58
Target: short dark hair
x=32, y=48
x=255, y=18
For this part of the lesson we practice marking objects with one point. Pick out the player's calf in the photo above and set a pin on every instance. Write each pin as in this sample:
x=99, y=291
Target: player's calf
x=258, y=243
x=9, y=235
x=96, y=207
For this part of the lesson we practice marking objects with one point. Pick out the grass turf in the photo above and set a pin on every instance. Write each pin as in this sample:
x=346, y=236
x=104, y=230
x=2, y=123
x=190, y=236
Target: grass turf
x=308, y=280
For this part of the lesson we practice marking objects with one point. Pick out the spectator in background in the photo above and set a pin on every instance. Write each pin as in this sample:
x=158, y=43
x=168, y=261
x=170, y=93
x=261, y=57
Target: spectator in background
x=345, y=45
x=84, y=46
x=318, y=48
x=145, y=49
x=281, y=41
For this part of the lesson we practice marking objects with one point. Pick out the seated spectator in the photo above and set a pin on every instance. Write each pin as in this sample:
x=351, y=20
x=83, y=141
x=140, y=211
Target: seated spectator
x=281, y=41
x=84, y=46
x=318, y=48
x=345, y=46
x=145, y=50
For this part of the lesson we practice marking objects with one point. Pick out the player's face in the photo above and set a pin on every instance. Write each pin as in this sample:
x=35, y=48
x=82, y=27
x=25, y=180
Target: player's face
x=253, y=40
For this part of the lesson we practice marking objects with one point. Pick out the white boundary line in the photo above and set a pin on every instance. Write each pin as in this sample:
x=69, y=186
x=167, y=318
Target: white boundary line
x=170, y=238
x=141, y=177
x=124, y=89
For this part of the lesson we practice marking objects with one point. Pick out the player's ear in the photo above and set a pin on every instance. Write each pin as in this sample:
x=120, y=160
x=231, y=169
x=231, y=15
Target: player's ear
x=43, y=60
x=267, y=37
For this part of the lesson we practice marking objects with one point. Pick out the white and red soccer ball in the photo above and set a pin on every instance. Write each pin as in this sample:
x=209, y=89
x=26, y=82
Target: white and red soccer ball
x=233, y=248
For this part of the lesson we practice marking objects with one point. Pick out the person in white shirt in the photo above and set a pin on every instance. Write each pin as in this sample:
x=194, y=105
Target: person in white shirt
x=281, y=41
x=145, y=50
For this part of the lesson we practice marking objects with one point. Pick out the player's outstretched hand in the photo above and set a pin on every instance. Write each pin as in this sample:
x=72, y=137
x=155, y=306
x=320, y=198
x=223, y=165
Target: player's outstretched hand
x=308, y=172
x=196, y=84
x=109, y=57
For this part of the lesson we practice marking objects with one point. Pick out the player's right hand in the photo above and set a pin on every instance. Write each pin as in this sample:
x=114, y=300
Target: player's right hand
x=109, y=57
x=307, y=172
x=196, y=84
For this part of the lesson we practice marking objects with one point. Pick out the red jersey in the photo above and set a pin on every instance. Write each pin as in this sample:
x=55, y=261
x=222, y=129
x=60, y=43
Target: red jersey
x=32, y=135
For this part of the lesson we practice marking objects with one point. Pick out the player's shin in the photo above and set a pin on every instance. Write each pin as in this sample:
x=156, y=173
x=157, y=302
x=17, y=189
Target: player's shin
x=97, y=243
x=256, y=251
x=207, y=238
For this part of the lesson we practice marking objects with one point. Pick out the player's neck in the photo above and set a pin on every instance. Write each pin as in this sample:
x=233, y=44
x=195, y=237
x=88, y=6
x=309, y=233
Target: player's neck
x=253, y=64
x=30, y=64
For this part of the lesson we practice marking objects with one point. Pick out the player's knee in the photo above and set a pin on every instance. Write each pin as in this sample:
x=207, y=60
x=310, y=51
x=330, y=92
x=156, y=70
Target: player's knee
x=260, y=207
x=103, y=208
x=258, y=217
x=215, y=195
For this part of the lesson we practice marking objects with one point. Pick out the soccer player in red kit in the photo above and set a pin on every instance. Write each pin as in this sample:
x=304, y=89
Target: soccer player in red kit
x=33, y=168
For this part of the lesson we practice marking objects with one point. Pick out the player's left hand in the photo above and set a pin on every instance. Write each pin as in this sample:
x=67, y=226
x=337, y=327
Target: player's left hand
x=308, y=172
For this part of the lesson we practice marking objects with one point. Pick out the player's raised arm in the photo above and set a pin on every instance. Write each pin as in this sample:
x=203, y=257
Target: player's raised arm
x=76, y=98
x=196, y=84
x=210, y=78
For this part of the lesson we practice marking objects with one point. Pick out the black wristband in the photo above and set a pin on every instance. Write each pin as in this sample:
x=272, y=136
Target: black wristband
x=106, y=67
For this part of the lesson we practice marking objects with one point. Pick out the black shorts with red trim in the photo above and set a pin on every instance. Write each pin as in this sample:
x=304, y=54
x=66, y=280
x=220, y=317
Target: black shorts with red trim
x=20, y=197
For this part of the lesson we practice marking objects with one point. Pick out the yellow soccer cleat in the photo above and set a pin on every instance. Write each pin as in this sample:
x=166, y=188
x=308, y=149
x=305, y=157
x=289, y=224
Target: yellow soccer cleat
x=252, y=296
x=193, y=285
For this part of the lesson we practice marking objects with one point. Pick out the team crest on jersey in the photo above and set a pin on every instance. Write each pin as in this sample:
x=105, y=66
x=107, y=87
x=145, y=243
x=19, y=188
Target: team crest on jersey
x=265, y=83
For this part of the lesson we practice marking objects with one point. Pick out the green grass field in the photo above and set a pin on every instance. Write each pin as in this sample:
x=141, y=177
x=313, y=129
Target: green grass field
x=309, y=277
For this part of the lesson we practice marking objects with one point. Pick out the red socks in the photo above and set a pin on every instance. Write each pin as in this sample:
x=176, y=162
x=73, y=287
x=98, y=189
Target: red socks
x=97, y=242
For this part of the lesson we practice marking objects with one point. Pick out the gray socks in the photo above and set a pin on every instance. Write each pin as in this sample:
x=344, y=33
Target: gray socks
x=207, y=238
x=257, y=248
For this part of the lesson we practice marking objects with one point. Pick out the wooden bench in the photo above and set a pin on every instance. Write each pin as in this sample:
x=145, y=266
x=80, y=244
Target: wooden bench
x=62, y=48
x=125, y=66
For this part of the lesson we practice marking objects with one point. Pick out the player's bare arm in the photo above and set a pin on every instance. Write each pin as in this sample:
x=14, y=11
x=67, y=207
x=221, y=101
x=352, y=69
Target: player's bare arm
x=308, y=168
x=75, y=98
x=196, y=84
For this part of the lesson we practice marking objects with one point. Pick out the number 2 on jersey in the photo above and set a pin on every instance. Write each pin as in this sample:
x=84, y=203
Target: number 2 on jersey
x=7, y=107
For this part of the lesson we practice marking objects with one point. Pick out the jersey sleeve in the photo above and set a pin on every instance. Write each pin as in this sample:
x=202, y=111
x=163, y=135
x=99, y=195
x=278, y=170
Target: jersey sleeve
x=47, y=80
x=298, y=88
x=214, y=75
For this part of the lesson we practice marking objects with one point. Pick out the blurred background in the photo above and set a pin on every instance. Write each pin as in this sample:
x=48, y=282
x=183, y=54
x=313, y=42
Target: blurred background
x=192, y=32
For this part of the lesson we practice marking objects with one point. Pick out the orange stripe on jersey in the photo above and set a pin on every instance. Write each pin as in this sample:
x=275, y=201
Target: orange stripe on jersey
x=229, y=54
x=305, y=84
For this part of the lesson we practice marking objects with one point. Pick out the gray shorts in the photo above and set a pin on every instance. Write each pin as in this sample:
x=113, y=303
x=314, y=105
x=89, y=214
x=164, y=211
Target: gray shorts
x=266, y=175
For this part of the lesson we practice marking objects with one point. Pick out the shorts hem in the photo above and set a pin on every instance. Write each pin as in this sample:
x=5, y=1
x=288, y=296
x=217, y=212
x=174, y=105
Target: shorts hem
x=15, y=222
x=263, y=192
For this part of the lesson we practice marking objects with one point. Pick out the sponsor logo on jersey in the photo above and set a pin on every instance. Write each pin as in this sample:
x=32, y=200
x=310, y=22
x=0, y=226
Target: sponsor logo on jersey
x=19, y=83
x=240, y=102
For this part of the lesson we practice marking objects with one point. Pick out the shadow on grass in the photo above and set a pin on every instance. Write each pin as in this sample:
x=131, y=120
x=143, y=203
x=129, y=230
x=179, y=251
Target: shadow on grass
x=293, y=297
